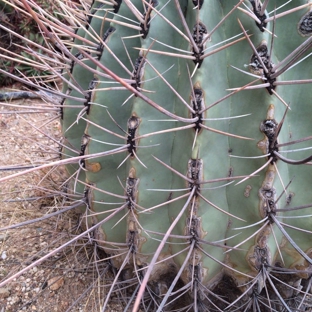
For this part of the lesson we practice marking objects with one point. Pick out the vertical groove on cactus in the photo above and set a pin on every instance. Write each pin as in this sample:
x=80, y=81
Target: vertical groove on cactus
x=190, y=119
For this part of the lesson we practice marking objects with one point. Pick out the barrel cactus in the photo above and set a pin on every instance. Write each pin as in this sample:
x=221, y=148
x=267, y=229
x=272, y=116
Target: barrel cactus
x=186, y=136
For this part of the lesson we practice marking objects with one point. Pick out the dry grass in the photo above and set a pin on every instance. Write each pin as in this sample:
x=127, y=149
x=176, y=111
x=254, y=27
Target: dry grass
x=56, y=283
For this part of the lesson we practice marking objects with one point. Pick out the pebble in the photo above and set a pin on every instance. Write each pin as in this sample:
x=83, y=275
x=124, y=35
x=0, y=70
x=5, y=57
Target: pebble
x=4, y=292
x=4, y=255
x=4, y=237
x=56, y=282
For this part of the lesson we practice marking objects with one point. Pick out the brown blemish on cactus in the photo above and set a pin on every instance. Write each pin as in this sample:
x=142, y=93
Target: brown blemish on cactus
x=268, y=181
x=92, y=166
x=132, y=173
x=269, y=177
x=267, y=193
x=259, y=254
x=270, y=112
x=262, y=237
x=263, y=145
x=267, y=201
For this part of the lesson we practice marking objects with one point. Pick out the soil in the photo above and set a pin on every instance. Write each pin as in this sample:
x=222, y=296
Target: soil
x=67, y=280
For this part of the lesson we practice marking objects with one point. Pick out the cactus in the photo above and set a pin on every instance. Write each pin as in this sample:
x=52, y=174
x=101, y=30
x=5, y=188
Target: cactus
x=186, y=130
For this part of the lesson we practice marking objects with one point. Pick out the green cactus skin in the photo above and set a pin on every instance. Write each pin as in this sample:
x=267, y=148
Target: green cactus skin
x=178, y=197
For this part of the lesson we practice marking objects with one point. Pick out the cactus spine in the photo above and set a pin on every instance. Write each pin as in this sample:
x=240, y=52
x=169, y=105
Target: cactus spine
x=182, y=162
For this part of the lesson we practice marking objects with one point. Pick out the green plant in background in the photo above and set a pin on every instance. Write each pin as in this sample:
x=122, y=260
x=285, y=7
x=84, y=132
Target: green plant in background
x=187, y=132
x=15, y=60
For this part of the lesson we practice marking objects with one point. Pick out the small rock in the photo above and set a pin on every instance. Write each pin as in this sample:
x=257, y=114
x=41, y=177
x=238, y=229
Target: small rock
x=4, y=255
x=56, y=282
x=4, y=237
x=4, y=292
